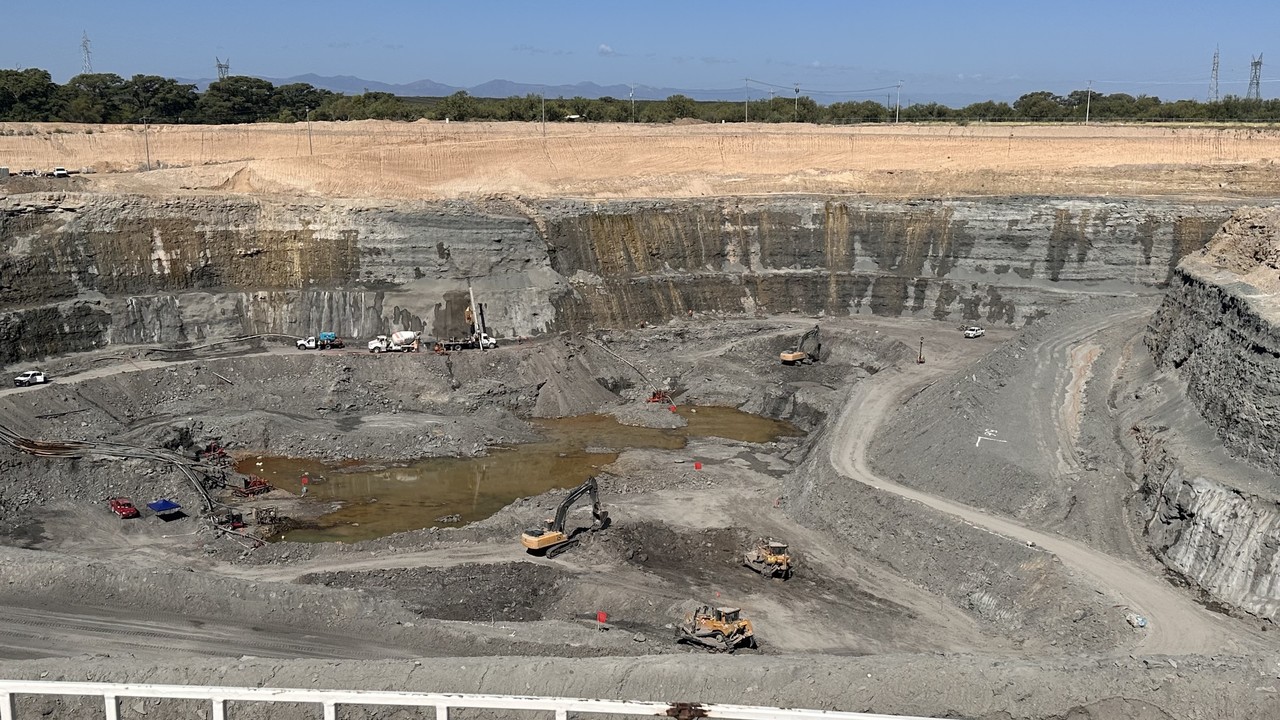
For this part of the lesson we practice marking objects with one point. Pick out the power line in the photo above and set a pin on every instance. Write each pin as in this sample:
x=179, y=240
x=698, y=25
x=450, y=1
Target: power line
x=224, y=67
x=823, y=92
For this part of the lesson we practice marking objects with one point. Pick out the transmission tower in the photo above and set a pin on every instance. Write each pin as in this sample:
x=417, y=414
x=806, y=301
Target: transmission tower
x=1213, y=78
x=86, y=54
x=224, y=67
x=1255, y=79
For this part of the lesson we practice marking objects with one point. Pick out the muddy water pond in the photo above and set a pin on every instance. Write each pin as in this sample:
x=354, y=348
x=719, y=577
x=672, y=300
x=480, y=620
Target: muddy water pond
x=378, y=500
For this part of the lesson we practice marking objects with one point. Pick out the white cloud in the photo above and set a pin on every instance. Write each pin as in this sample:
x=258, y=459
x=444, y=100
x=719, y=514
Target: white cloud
x=605, y=50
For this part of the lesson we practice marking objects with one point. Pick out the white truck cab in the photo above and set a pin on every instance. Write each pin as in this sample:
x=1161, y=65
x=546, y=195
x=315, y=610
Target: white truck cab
x=30, y=377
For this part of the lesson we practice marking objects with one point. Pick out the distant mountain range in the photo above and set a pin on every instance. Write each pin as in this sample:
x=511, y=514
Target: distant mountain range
x=351, y=85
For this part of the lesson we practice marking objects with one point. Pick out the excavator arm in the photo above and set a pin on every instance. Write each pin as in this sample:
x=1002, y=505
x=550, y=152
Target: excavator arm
x=553, y=536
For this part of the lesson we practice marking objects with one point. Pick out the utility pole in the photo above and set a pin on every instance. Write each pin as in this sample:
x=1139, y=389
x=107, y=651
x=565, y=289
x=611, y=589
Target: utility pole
x=1088, y=98
x=86, y=54
x=920, y=357
x=632, y=95
x=146, y=140
x=897, y=108
x=310, y=148
x=544, y=113
x=1213, y=77
x=1255, y=79
x=795, y=117
x=746, y=98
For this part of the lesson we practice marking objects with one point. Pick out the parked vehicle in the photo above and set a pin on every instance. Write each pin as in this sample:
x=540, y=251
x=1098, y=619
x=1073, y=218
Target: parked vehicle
x=323, y=341
x=123, y=507
x=30, y=377
x=60, y=172
x=974, y=332
x=402, y=341
x=479, y=341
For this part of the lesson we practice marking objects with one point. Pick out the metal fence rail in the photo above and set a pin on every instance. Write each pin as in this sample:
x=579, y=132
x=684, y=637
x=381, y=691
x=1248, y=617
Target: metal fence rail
x=329, y=700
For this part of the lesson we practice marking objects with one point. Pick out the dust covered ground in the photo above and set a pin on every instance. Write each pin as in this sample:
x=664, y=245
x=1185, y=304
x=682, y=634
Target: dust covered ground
x=966, y=539
x=432, y=160
x=892, y=593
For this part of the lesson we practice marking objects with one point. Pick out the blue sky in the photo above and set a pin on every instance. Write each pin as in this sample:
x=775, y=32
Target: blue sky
x=998, y=49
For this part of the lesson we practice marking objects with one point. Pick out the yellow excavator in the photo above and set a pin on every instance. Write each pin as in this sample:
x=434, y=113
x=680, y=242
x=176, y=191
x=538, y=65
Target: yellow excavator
x=552, y=539
x=806, y=350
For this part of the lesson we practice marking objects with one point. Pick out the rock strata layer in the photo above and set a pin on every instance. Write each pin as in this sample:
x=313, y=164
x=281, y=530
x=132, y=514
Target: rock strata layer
x=1217, y=331
x=80, y=271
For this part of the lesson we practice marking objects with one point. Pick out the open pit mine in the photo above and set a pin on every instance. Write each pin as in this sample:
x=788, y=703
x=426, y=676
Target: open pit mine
x=724, y=415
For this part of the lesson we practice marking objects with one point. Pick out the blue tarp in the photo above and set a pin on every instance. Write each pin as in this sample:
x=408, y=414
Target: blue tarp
x=164, y=505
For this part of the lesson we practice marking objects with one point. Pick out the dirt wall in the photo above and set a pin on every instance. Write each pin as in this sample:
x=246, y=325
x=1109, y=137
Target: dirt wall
x=126, y=269
x=1217, y=331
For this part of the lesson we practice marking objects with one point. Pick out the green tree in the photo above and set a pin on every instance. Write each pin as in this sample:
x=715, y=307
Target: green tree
x=92, y=98
x=679, y=106
x=458, y=106
x=160, y=99
x=857, y=112
x=238, y=99
x=1042, y=105
x=988, y=110
x=295, y=99
x=26, y=95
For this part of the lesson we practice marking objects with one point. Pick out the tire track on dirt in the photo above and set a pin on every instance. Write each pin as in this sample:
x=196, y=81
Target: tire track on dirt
x=1178, y=624
x=109, y=629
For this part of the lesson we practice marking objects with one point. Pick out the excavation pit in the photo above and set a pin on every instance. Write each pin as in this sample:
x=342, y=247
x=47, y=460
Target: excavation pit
x=445, y=492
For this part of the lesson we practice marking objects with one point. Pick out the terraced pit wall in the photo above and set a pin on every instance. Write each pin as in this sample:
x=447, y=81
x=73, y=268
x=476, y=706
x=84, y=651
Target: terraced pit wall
x=81, y=270
x=1219, y=329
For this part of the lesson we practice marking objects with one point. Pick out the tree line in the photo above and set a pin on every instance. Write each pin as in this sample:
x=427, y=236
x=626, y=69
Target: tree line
x=31, y=96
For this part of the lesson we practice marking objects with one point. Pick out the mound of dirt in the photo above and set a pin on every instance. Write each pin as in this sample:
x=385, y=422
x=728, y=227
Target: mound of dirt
x=1249, y=241
x=517, y=591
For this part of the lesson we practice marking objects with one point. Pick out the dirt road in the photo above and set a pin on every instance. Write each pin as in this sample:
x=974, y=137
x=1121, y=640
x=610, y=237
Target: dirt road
x=1177, y=624
x=68, y=632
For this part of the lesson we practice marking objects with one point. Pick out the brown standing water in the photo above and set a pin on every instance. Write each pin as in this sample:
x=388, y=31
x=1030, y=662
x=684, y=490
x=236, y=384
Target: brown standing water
x=378, y=501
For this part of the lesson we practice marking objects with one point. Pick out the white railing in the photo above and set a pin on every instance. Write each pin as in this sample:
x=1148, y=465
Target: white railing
x=329, y=700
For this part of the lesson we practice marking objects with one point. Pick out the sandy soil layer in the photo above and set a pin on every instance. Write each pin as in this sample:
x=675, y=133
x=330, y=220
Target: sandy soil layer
x=428, y=159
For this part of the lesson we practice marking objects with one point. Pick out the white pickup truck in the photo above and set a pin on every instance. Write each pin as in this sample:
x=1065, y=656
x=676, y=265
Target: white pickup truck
x=30, y=377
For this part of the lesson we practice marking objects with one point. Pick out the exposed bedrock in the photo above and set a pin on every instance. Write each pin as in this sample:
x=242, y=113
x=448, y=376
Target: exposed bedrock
x=102, y=269
x=1224, y=540
x=1216, y=330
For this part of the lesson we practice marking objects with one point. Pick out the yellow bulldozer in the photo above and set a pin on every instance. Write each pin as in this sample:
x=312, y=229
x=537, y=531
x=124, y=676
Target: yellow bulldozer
x=769, y=558
x=721, y=629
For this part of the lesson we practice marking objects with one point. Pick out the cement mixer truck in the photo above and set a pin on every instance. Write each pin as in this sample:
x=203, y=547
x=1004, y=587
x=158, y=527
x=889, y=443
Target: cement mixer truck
x=402, y=341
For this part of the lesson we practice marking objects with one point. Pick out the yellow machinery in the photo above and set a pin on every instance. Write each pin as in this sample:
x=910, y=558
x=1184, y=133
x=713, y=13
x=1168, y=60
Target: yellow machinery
x=719, y=629
x=806, y=351
x=769, y=558
x=552, y=539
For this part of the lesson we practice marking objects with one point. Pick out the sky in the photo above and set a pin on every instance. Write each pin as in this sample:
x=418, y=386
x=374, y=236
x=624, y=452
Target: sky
x=996, y=49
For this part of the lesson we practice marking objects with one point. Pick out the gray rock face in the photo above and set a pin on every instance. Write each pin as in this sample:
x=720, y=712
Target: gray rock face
x=1224, y=540
x=131, y=269
x=1217, y=329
